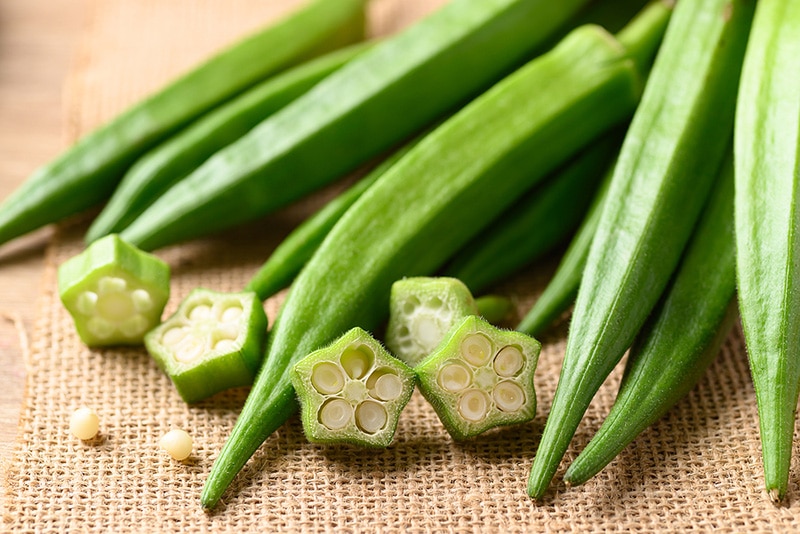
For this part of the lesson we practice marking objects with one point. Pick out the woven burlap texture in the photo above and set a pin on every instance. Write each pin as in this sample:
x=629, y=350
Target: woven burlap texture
x=697, y=469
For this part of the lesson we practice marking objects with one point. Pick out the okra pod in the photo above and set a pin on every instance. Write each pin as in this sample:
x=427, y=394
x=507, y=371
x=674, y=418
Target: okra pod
x=535, y=224
x=522, y=128
x=173, y=159
x=679, y=340
x=560, y=292
x=86, y=174
x=767, y=154
x=382, y=97
x=660, y=183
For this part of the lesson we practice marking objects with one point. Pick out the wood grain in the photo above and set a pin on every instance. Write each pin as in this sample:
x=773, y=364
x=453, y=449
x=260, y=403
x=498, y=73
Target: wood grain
x=37, y=44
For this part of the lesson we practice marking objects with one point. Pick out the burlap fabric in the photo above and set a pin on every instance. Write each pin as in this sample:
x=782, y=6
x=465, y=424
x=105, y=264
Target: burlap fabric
x=696, y=470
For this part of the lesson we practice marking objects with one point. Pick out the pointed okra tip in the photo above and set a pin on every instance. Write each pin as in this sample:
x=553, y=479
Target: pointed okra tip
x=481, y=377
x=352, y=391
x=213, y=342
x=422, y=310
x=114, y=292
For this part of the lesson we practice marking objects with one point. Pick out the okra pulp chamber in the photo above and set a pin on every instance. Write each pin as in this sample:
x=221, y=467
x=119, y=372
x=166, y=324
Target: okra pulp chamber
x=352, y=391
x=211, y=343
x=480, y=378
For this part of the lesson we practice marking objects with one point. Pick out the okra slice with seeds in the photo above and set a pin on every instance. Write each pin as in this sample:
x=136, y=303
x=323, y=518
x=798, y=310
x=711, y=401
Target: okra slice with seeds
x=480, y=378
x=114, y=292
x=213, y=342
x=422, y=310
x=352, y=391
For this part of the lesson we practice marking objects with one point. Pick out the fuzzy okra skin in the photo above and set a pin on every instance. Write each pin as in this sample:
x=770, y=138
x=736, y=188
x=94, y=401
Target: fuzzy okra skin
x=86, y=174
x=563, y=286
x=387, y=94
x=534, y=224
x=767, y=155
x=293, y=253
x=660, y=183
x=679, y=340
x=176, y=157
x=440, y=192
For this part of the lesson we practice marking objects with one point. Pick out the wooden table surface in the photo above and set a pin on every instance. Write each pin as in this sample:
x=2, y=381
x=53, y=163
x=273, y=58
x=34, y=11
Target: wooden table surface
x=38, y=40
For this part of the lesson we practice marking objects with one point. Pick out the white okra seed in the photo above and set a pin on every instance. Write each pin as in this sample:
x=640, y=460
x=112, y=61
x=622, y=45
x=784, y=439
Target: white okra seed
x=177, y=443
x=476, y=349
x=371, y=416
x=335, y=413
x=455, y=377
x=508, y=396
x=509, y=361
x=327, y=378
x=84, y=423
x=474, y=405
x=387, y=386
x=356, y=362
x=142, y=301
x=86, y=303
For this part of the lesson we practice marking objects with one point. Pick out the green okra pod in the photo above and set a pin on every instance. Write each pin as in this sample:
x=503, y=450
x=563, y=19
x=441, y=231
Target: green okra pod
x=168, y=162
x=384, y=96
x=563, y=286
x=659, y=186
x=767, y=155
x=523, y=127
x=679, y=340
x=85, y=175
x=536, y=223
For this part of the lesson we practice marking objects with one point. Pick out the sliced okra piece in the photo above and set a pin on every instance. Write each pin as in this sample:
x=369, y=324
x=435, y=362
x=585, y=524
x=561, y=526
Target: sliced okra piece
x=481, y=377
x=213, y=342
x=422, y=310
x=352, y=391
x=114, y=292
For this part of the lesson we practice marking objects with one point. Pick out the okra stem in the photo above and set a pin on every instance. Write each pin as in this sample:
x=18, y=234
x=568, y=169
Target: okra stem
x=87, y=173
x=660, y=183
x=767, y=153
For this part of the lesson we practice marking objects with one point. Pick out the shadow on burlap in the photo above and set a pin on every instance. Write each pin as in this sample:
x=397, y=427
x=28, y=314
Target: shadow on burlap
x=697, y=469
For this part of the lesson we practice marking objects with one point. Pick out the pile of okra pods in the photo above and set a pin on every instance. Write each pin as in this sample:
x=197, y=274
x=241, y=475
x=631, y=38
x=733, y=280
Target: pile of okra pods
x=662, y=143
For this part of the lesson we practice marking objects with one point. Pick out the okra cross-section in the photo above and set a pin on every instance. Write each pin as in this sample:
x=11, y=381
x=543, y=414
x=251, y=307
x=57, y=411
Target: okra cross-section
x=481, y=377
x=422, y=310
x=213, y=342
x=352, y=391
x=114, y=292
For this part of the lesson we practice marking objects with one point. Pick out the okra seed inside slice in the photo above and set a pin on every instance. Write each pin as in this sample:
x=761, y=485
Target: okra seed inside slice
x=199, y=312
x=455, y=377
x=508, y=396
x=371, y=416
x=476, y=349
x=335, y=414
x=86, y=303
x=225, y=345
x=189, y=350
x=509, y=361
x=427, y=329
x=134, y=326
x=142, y=301
x=174, y=335
x=474, y=405
x=100, y=328
x=327, y=378
x=231, y=313
x=357, y=361
x=385, y=385
x=435, y=302
x=111, y=284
